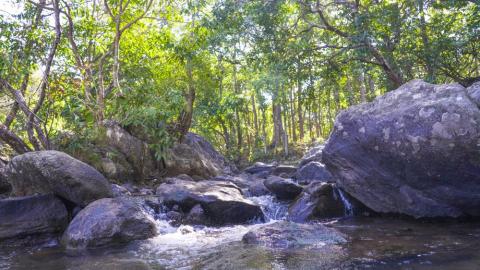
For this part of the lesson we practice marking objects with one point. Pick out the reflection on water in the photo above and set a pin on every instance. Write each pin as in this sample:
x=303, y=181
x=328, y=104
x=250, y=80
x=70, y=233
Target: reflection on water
x=374, y=243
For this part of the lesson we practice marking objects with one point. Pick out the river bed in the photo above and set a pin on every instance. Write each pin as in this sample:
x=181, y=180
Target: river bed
x=373, y=243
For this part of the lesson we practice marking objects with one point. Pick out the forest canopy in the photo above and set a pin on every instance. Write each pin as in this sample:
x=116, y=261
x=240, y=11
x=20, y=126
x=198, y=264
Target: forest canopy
x=257, y=78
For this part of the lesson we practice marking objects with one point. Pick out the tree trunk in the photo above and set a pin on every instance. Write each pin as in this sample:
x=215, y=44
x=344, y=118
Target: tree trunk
x=300, y=110
x=292, y=115
x=185, y=120
x=426, y=44
x=255, y=117
x=264, y=132
x=285, y=134
x=236, y=89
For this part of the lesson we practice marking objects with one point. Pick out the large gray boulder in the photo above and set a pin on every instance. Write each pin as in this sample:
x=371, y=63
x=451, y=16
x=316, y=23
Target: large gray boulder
x=313, y=154
x=413, y=151
x=260, y=168
x=318, y=201
x=136, y=152
x=195, y=156
x=282, y=188
x=313, y=171
x=109, y=221
x=32, y=215
x=286, y=235
x=222, y=202
x=45, y=172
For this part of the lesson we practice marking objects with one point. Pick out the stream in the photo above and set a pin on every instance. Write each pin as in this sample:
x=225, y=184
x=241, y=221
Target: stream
x=373, y=243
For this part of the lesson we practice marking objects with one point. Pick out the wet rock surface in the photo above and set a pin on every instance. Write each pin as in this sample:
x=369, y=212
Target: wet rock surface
x=109, y=221
x=283, y=189
x=32, y=215
x=318, y=201
x=413, y=151
x=45, y=172
x=223, y=202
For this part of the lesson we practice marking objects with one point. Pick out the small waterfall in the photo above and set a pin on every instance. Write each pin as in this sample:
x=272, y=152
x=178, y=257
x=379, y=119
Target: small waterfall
x=271, y=207
x=346, y=203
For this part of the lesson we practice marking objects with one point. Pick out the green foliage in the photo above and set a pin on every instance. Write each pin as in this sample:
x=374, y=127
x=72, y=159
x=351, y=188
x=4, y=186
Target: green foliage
x=240, y=59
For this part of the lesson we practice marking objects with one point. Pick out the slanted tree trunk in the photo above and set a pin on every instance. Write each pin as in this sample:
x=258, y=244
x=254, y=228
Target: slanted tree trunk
x=13, y=140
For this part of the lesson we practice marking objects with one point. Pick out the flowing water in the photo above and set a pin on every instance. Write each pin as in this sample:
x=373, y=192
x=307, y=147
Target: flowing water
x=373, y=243
x=346, y=203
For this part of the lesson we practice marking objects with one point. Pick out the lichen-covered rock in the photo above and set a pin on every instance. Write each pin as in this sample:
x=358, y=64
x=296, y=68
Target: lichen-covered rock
x=32, y=215
x=136, y=152
x=413, y=151
x=109, y=221
x=283, y=189
x=45, y=172
x=196, y=157
x=222, y=202
x=313, y=171
x=285, y=235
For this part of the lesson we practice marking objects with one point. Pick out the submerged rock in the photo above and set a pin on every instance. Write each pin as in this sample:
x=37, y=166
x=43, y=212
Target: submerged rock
x=32, y=215
x=283, y=189
x=313, y=171
x=319, y=200
x=109, y=221
x=45, y=172
x=413, y=151
x=285, y=235
x=222, y=202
